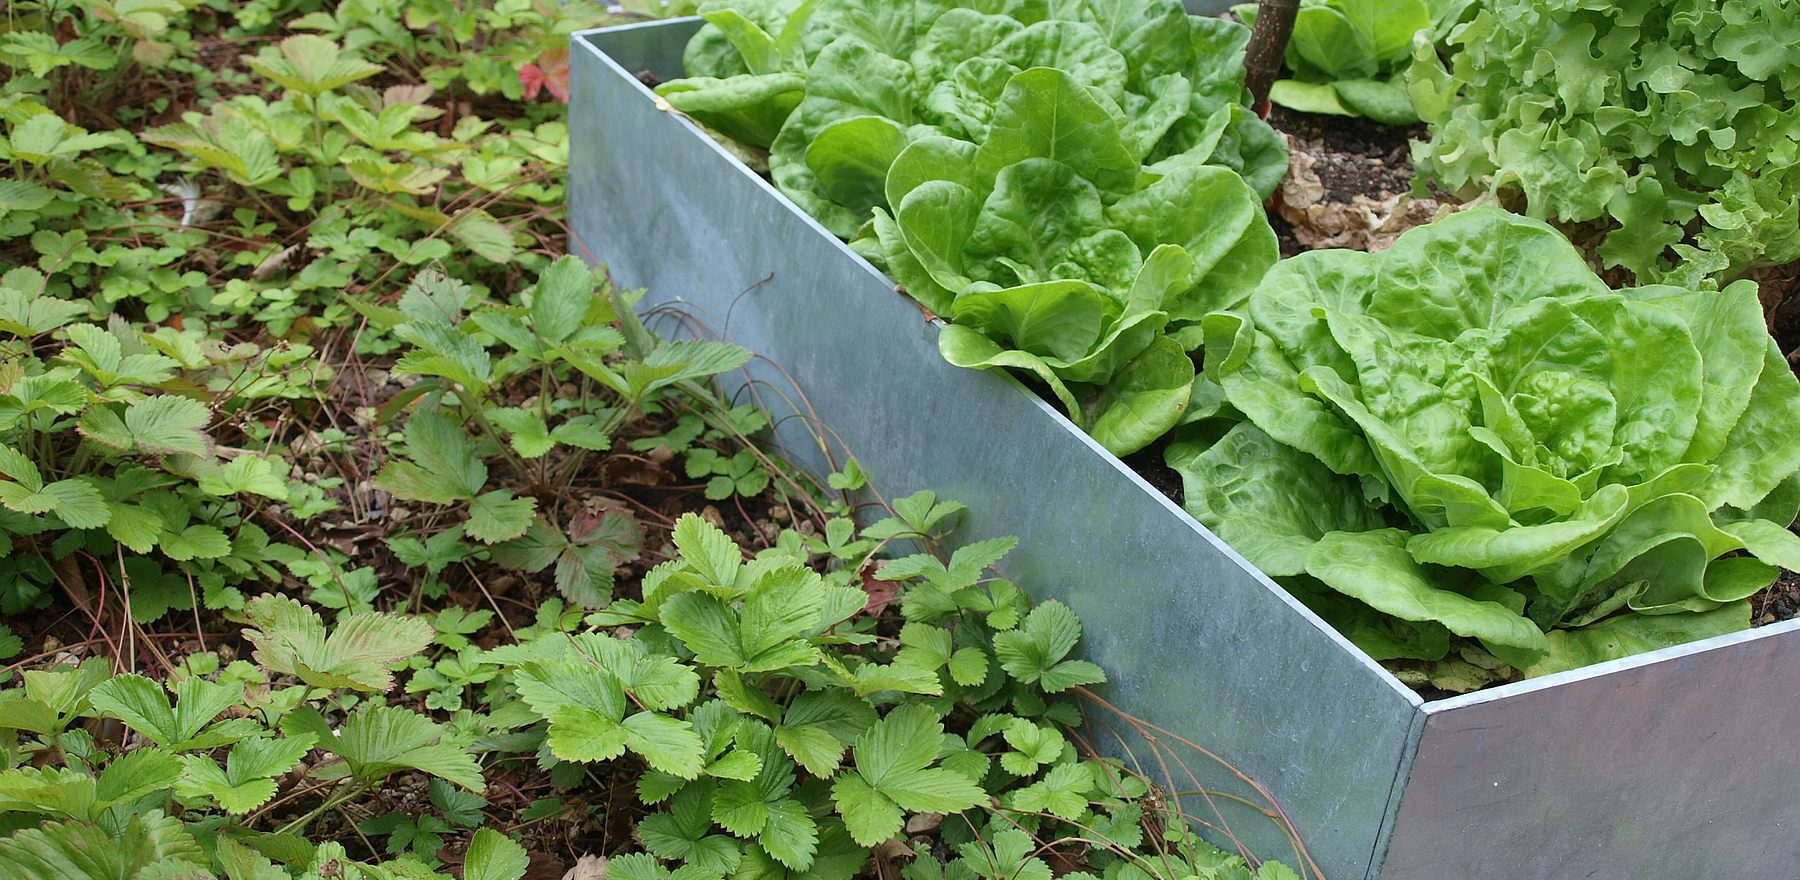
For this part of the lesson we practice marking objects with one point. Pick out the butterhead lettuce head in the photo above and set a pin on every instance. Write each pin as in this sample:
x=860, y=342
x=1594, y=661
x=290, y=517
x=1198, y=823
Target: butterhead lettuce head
x=1470, y=434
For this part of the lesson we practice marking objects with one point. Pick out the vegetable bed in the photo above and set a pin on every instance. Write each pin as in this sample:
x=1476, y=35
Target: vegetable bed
x=1372, y=774
x=1484, y=492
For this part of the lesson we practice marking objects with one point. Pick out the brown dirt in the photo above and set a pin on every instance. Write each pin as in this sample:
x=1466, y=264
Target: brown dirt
x=1781, y=601
x=1149, y=465
x=1779, y=287
x=1777, y=603
x=1353, y=157
x=1349, y=184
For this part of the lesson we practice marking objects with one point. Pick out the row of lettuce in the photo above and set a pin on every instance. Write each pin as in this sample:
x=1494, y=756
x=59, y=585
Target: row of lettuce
x=1469, y=452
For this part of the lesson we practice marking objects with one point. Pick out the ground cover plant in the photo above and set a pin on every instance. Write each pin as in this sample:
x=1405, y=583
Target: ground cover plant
x=352, y=531
x=1670, y=126
x=769, y=723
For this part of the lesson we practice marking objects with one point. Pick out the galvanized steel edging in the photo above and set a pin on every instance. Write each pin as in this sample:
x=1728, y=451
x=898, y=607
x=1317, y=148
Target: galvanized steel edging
x=1193, y=638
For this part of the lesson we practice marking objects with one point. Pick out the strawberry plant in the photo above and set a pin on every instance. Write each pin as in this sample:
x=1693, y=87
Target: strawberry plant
x=350, y=531
x=210, y=748
x=101, y=456
x=784, y=731
x=467, y=357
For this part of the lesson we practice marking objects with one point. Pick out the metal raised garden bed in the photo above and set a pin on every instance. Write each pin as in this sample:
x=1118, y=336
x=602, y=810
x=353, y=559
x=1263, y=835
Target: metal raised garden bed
x=1683, y=763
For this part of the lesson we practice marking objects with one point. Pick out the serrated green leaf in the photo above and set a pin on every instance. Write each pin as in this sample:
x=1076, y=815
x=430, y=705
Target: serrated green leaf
x=561, y=299
x=105, y=427
x=168, y=424
x=78, y=504
x=17, y=466
x=63, y=850
x=707, y=549
x=1033, y=746
x=444, y=468
x=253, y=474
x=379, y=740
x=488, y=238
x=435, y=297
x=739, y=765
x=266, y=757
x=247, y=780
x=134, y=526
x=790, y=834
x=580, y=734
x=204, y=779
x=683, y=833
x=529, y=435
x=969, y=666
x=582, y=432
x=447, y=352
x=410, y=482
x=497, y=516
x=494, y=856
x=666, y=743
x=145, y=708
x=1033, y=653
x=18, y=195
x=291, y=638
x=818, y=725
x=244, y=863
x=1062, y=792
x=893, y=771
x=194, y=542
x=134, y=775
x=310, y=64
x=871, y=816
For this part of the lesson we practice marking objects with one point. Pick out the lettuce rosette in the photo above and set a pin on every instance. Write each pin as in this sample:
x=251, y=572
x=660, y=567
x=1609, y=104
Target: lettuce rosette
x=836, y=89
x=1470, y=435
x=1052, y=248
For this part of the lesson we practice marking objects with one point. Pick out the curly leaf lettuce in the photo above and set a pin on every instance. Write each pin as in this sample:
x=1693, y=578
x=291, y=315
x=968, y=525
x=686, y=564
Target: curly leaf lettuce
x=1674, y=122
x=1471, y=432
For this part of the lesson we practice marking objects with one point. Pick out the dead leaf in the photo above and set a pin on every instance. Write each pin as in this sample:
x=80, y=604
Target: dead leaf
x=274, y=262
x=406, y=93
x=67, y=572
x=712, y=515
x=587, y=868
x=924, y=823
x=1364, y=223
x=633, y=470
x=543, y=866
x=550, y=73
x=881, y=593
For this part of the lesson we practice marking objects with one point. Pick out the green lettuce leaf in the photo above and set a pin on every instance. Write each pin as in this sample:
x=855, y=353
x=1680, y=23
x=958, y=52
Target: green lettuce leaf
x=1596, y=455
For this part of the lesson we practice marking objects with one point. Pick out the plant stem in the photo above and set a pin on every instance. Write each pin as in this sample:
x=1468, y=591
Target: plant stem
x=348, y=791
x=475, y=411
x=1268, y=47
x=543, y=463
